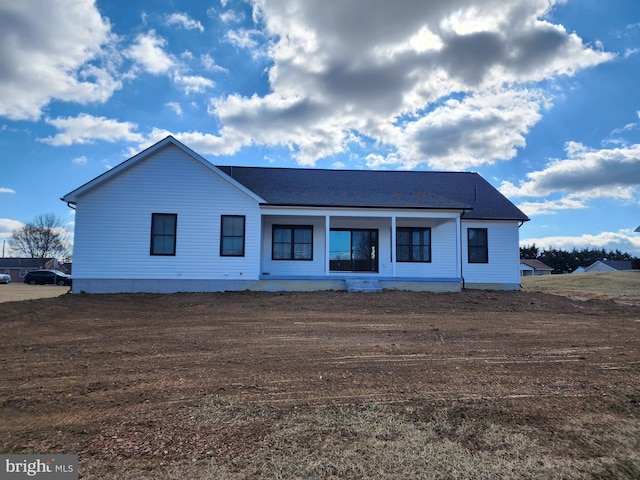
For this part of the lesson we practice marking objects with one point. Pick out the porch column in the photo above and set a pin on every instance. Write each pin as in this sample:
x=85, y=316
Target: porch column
x=327, y=235
x=393, y=245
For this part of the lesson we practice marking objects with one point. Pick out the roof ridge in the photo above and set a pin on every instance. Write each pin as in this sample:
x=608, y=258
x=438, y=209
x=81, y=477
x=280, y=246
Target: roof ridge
x=347, y=169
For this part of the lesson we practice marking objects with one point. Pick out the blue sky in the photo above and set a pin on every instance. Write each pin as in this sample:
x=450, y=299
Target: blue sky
x=541, y=97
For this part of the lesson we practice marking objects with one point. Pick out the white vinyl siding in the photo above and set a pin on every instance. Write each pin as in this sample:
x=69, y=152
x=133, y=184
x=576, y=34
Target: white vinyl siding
x=443, y=251
x=113, y=223
x=504, y=254
x=314, y=267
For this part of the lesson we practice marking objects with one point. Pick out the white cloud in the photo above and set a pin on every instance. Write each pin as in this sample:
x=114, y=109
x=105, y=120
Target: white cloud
x=479, y=129
x=7, y=190
x=438, y=83
x=175, y=106
x=149, y=54
x=86, y=128
x=586, y=174
x=625, y=240
x=550, y=207
x=592, y=173
x=184, y=21
x=231, y=16
x=243, y=38
x=67, y=67
x=82, y=160
x=203, y=143
x=210, y=64
x=193, y=83
x=7, y=226
x=147, y=51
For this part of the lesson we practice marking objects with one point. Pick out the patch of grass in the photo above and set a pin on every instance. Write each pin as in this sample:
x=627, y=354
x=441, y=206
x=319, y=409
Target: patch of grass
x=225, y=409
x=367, y=442
x=595, y=283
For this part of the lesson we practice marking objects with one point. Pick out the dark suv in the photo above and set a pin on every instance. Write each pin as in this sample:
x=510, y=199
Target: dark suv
x=43, y=277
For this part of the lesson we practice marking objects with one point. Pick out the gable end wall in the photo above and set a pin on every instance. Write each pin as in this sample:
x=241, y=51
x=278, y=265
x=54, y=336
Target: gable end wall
x=113, y=223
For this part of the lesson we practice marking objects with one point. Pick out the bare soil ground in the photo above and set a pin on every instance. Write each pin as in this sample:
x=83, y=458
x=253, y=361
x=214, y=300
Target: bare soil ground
x=325, y=385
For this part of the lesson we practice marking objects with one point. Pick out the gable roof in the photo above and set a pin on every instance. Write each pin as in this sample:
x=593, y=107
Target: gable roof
x=374, y=188
x=72, y=197
x=609, y=264
x=16, y=262
x=535, y=264
x=618, y=264
x=464, y=191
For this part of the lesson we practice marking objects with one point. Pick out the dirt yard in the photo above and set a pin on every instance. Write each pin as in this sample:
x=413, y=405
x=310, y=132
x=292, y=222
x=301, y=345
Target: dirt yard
x=325, y=385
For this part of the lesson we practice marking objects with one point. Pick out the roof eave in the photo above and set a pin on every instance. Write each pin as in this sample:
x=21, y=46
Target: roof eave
x=391, y=207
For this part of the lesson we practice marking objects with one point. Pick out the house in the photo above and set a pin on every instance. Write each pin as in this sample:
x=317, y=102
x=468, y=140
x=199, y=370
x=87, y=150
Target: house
x=167, y=220
x=533, y=268
x=17, y=268
x=608, y=266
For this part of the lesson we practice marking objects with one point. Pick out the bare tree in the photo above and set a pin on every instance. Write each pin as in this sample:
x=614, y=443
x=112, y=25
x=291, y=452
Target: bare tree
x=45, y=237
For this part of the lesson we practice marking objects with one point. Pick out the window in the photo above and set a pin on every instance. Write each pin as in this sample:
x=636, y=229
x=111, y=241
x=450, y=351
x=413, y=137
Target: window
x=293, y=242
x=353, y=250
x=413, y=244
x=232, y=236
x=478, y=245
x=163, y=233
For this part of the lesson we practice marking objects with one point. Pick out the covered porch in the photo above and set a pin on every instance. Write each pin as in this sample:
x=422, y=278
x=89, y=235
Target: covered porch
x=409, y=249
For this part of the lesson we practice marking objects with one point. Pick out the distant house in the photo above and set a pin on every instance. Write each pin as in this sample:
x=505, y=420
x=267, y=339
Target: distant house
x=530, y=268
x=18, y=267
x=608, y=266
x=167, y=220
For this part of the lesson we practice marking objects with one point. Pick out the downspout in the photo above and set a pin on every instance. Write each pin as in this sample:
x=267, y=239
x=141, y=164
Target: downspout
x=521, y=223
x=461, y=257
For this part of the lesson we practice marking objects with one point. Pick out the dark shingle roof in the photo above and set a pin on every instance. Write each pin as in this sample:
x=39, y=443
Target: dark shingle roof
x=618, y=264
x=15, y=262
x=370, y=188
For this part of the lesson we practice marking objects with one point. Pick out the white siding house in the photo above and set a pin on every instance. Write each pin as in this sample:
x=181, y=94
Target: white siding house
x=167, y=220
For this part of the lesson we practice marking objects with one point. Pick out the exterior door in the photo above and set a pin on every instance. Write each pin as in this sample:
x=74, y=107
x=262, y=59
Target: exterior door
x=353, y=250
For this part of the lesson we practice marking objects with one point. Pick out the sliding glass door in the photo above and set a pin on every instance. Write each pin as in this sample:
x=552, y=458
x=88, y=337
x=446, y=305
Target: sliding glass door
x=353, y=250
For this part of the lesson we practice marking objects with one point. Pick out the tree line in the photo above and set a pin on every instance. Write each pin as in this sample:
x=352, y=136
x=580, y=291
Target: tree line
x=563, y=261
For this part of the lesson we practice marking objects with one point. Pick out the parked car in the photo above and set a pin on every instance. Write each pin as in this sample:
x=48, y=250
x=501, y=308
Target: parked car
x=5, y=278
x=43, y=277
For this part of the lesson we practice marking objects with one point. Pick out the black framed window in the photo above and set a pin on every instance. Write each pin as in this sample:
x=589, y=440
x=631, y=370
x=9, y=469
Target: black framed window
x=292, y=242
x=353, y=250
x=478, y=245
x=163, y=233
x=413, y=244
x=232, y=235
